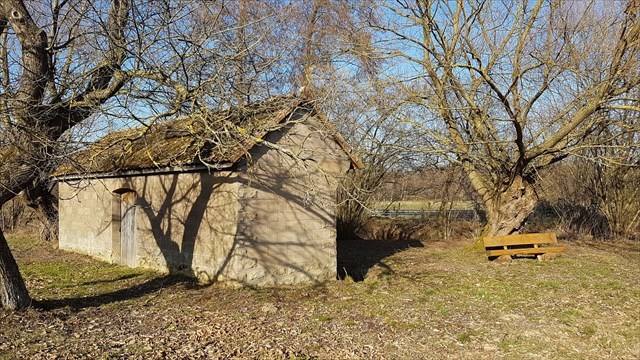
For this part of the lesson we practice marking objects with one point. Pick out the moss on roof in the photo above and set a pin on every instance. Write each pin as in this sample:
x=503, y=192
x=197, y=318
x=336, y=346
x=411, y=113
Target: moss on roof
x=201, y=138
x=205, y=138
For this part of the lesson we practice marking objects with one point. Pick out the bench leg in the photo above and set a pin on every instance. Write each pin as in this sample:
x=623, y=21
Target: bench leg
x=503, y=259
x=547, y=256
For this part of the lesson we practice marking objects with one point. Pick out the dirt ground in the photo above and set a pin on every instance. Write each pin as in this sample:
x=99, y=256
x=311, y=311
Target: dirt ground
x=398, y=300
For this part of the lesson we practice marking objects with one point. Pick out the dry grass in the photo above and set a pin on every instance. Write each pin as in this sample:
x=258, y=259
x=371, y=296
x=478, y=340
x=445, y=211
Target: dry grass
x=422, y=205
x=432, y=300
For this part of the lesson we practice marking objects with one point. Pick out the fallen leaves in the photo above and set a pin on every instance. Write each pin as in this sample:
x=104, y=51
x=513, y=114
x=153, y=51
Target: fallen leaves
x=425, y=302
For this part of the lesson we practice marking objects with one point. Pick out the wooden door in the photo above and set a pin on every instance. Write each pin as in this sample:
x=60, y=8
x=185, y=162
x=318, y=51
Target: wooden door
x=128, y=229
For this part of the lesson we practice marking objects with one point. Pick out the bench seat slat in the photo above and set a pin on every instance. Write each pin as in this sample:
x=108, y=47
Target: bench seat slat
x=522, y=244
x=519, y=239
x=525, y=251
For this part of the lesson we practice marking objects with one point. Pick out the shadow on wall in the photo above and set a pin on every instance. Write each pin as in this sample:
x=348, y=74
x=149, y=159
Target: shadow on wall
x=357, y=257
x=176, y=255
x=354, y=258
x=176, y=214
x=192, y=222
x=266, y=222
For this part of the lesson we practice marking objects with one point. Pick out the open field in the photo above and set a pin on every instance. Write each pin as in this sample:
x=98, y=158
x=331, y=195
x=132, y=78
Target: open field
x=421, y=205
x=417, y=300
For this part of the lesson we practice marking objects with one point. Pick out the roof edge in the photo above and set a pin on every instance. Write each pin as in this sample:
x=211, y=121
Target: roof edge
x=143, y=172
x=307, y=95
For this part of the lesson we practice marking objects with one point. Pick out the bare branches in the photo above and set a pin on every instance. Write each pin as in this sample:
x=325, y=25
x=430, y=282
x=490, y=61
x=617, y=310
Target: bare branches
x=517, y=85
x=520, y=62
x=34, y=59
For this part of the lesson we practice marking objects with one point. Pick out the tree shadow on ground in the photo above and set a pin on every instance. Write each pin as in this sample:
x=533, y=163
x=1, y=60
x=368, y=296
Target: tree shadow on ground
x=357, y=257
x=120, y=278
x=134, y=292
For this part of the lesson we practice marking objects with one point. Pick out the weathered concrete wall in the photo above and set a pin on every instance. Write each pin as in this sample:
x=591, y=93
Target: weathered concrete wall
x=85, y=213
x=286, y=223
x=272, y=222
x=185, y=222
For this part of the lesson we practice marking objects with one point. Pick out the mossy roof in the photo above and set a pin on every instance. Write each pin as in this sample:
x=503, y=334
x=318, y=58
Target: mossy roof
x=214, y=139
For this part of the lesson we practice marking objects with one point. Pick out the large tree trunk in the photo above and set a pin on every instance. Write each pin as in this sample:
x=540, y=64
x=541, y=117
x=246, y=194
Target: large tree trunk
x=508, y=209
x=37, y=125
x=40, y=198
x=13, y=292
x=18, y=169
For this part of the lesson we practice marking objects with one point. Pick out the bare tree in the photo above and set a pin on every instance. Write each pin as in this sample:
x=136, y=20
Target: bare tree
x=74, y=70
x=508, y=88
x=370, y=119
x=334, y=61
x=612, y=176
x=601, y=182
x=333, y=38
x=38, y=108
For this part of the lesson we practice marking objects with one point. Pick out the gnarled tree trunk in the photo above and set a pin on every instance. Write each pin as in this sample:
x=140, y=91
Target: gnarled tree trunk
x=509, y=208
x=40, y=198
x=35, y=120
x=13, y=292
x=17, y=171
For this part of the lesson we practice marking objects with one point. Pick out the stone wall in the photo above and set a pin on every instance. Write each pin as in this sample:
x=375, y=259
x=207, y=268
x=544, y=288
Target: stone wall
x=186, y=222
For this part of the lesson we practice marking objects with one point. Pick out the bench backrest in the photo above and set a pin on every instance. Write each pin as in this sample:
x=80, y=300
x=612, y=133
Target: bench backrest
x=520, y=239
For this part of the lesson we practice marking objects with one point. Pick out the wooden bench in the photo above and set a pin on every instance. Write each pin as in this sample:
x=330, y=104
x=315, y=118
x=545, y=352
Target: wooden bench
x=521, y=244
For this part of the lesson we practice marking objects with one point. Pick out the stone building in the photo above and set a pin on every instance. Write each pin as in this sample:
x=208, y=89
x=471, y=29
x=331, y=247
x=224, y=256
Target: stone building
x=241, y=196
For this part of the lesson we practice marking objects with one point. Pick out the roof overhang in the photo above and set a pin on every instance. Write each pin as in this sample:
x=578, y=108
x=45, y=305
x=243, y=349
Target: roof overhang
x=145, y=172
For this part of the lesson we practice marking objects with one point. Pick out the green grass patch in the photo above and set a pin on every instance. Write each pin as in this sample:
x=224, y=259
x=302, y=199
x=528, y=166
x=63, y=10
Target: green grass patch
x=323, y=318
x=55, y=273
x=464, y=337
x=508, y=343
x=610, y=285
x=21, y=242
x=568, y=317
x=588, y=330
